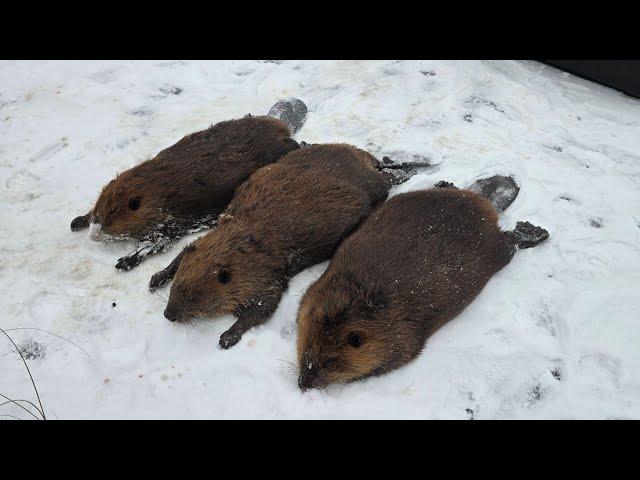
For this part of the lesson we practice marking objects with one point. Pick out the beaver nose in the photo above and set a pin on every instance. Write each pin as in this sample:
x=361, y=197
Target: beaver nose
x=304, y=383
x=307, y=382
x=308, y=377
x=171, y=314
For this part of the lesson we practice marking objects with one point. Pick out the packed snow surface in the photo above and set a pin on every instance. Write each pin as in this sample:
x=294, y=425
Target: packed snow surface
x=555, y=334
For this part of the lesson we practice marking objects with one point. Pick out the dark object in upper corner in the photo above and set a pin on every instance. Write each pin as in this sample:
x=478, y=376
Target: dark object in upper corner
x=623, y=75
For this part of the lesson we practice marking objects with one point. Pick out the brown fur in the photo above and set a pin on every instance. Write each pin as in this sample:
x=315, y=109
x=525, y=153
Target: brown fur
x=193, y=178
x=416, y=263
x=286, y=217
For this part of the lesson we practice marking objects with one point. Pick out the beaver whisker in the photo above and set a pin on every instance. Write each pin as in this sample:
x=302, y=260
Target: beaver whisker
x=293, y=368
x=162, y=295
x=159, y=300
x=287, y=361
x=196, y=322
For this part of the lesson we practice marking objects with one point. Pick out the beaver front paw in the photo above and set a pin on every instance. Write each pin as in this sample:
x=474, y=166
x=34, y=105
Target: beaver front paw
x=229, y=338
x=159, y=280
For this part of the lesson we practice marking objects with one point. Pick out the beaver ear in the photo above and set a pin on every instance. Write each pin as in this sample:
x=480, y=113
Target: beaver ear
x=290, y=144
x=224, y=276
x=134, y=202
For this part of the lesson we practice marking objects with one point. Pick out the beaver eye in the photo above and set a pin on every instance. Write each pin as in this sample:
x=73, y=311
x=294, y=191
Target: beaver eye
x=354, y=339
x=224, y=276
x=134, y=203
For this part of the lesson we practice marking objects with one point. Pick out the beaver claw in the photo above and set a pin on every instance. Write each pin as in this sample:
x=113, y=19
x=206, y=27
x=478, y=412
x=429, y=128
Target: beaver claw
x=229, y=338
x=443, y=184
x=129, y=262
x=159, y=280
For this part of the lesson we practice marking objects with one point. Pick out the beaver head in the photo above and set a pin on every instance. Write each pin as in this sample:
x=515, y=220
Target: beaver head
x=346, y=332
x=221, y=273
x=128, y=207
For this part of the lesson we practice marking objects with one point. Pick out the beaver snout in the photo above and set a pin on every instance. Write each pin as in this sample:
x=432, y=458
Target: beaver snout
x=307, y=382
x=172, y=313
x=309, y=377
x=304, y=383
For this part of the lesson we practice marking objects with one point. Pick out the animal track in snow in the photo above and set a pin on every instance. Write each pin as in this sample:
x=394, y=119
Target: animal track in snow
x=474, y=102
x=547, y=320
x=23, y=186
x=50, y=150
x=170, y=90
x=596, y=222
x=31, y=350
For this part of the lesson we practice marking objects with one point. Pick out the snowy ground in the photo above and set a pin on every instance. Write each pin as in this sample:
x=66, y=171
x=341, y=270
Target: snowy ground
x=556, y=334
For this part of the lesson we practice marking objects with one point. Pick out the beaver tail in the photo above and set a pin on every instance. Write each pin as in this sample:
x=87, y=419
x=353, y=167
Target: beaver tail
x=501, y=191
x=291, y=111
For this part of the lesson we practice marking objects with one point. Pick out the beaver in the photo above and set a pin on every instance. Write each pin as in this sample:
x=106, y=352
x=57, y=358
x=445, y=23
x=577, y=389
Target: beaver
x=414, y=264
x=184, y=188
x=286, y=217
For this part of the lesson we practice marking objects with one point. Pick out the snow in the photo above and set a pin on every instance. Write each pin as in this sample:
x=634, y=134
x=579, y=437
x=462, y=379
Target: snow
x=555, y=334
